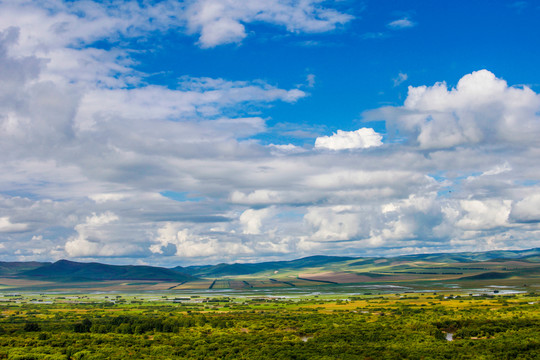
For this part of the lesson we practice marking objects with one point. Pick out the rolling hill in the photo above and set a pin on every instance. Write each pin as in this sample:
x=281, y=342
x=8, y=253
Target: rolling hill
x=472, y=256
x=253, y=268
x=507, y=266
x=70, y=271
x=13, y=268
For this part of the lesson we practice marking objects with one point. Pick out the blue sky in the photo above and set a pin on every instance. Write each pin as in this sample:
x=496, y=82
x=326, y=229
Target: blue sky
x=174, y=133
x=355, y=65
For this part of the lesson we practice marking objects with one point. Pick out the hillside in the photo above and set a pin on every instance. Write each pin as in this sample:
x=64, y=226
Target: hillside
x=64, y=270
x=511, y=267
x=15, y=267
x=253, y=268
x=472, y=256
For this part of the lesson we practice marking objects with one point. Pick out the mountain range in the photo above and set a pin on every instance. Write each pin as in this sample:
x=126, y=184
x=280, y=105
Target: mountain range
x=499, y=264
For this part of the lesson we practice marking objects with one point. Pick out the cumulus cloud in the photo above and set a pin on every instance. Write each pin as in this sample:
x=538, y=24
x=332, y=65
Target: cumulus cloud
x=342, y=140
x=484, y=214
x=252, y=220
x=333, y=223
x=92, y=236
x=223, y=21
x=527, y=209
x=189, y=245
x=407, y=221
x=481, y=108
x=6, y=226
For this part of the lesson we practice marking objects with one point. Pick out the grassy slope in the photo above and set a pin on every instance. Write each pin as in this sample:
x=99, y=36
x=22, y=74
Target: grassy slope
x=13, y=268
x=64, y=271
x=245, y=269
x=495, y=265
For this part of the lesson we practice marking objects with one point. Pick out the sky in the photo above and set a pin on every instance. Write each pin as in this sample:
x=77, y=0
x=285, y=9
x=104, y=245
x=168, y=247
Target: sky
x=204, y=131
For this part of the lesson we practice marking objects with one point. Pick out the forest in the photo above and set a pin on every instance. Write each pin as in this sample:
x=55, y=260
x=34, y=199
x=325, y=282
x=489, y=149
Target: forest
x=435, y=325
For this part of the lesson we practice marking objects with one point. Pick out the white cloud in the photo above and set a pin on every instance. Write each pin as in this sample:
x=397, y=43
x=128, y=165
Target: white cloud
x=333, y=223
x=155, y=102
x=286, y=149
x=6, y=226
x=342, y=140
x=401, y=24
x=223, y=21
x=60, y=32
x=402, y=77
x=481, y=109
x=45, y=118
x=481, y=215
x=527, y=209
x=310, y=78
x=103, y=198
x=499, y=169
x=260, y=196
x=406, y=221
x=347, y=179
x=252, y=220
x=189, y=245
x=169, y=234
x=93, y=238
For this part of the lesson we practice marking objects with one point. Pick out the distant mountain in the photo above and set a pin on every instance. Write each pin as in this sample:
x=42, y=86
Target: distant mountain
x=12, y=268
x=322, y=261
x=67, y=271
x=247, y=269
x=471, y=256
x=442, y=263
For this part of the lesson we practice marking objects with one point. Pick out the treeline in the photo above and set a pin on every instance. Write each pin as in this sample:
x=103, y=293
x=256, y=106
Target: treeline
x=140, y=324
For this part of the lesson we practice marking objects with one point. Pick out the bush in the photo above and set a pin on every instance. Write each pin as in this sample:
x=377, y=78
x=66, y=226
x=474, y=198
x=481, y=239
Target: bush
x=31, y=326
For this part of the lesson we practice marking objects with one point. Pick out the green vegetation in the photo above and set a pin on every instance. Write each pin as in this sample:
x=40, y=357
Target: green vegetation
x=250, y=326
